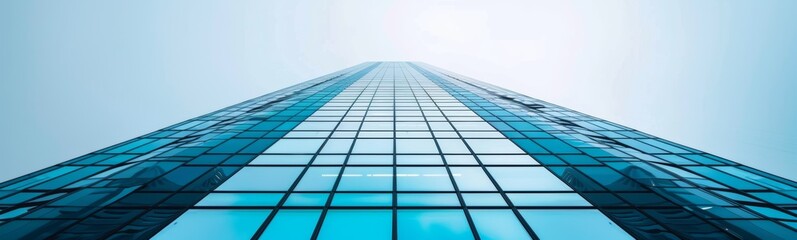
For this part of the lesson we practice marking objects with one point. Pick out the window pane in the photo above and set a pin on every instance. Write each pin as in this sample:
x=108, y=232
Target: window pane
x=366, y=179
x=241, y=199
x=370, y=160
x=318, y=179
x=416, y=146
x=307, y=199
x=527, y=179
x=563, y=224
x=427, y=199
x=483, y=199
x=449, y=146
x=292, y=224
x=373, y=146
x=316, y=126
x=281, y=159
x=214, y=224
x=498, y=224
x=423, y=179
x=472, y=179
x=433, y=224
x=295, y=146
x=363, y=199
x=329, y=160
x=357, y=224
x=337, y=146
x=480, y=146
x=547, y=199
x=419, y=159
x=507, y=160
x=261, y=179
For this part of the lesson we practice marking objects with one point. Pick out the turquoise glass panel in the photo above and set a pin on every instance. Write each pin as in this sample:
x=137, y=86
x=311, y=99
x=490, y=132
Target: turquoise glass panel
x=498, y=224
x=241, y=199
x=292, y=224
x=427, y=199
x=214, y=224
x=433, y=224
x=357, y=224
x=262, y=179
x=572, y=224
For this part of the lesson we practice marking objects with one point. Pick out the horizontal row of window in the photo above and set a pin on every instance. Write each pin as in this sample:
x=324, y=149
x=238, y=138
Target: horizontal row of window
x=379, y=224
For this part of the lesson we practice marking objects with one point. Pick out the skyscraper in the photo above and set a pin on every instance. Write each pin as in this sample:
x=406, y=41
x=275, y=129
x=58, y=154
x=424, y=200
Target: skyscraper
x=386, y=150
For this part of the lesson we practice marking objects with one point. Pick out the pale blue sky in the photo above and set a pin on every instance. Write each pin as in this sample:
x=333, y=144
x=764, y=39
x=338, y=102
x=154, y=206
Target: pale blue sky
x=76, y=76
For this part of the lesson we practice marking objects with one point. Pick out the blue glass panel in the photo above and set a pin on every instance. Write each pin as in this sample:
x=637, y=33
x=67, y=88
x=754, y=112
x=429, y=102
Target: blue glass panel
x=337, y=146
x=214, y=224
x=366, y=179
x=433, y=224
x=292, y=224
x=453, y=146
x=318, y=179
x=295, y=146
x=373, y=146
x=329, y=160
x=241, y=199
x=362, y=199
x=488, y=146
x=423, y=179
x=498, y=224
x=507, y=160
x=261, y=179
x=527, y=179
x=472, y=179
x=419, y=160
x=281, y=160
x=427, y=199
x=307, y=199
x=357, y=224
x=547, y=199
x=461, y=160
x=572, y=224
x=416, y=146
x=483, y=199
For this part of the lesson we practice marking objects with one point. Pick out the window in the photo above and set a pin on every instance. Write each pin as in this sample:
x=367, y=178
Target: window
x=547, y=199
x=472, y=179
x=292, y=224
x=366, y=179
x=488, y=146
x=483, y=199
x=261, y=179
x=362, y=199
x=433, y=224
x=419, y=160
x=527, y=179
x=453, y=146
x=427, y=199
x=241, y=199
x=423, y=179
x=214, y=224
x=373, y=146
x=316, y=126
x=318, y=179
x=498, y=224
x=357, y=224
x=295, y=146
x=306, y=199
x=337, y=146
x=281, y=159
x=416, y=146
x=561, y=224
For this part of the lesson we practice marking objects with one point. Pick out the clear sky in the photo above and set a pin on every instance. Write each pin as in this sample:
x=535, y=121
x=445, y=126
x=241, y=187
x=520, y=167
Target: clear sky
x=720, y=76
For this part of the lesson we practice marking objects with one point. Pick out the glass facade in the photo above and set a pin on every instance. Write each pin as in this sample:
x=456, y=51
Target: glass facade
x=398, y=150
